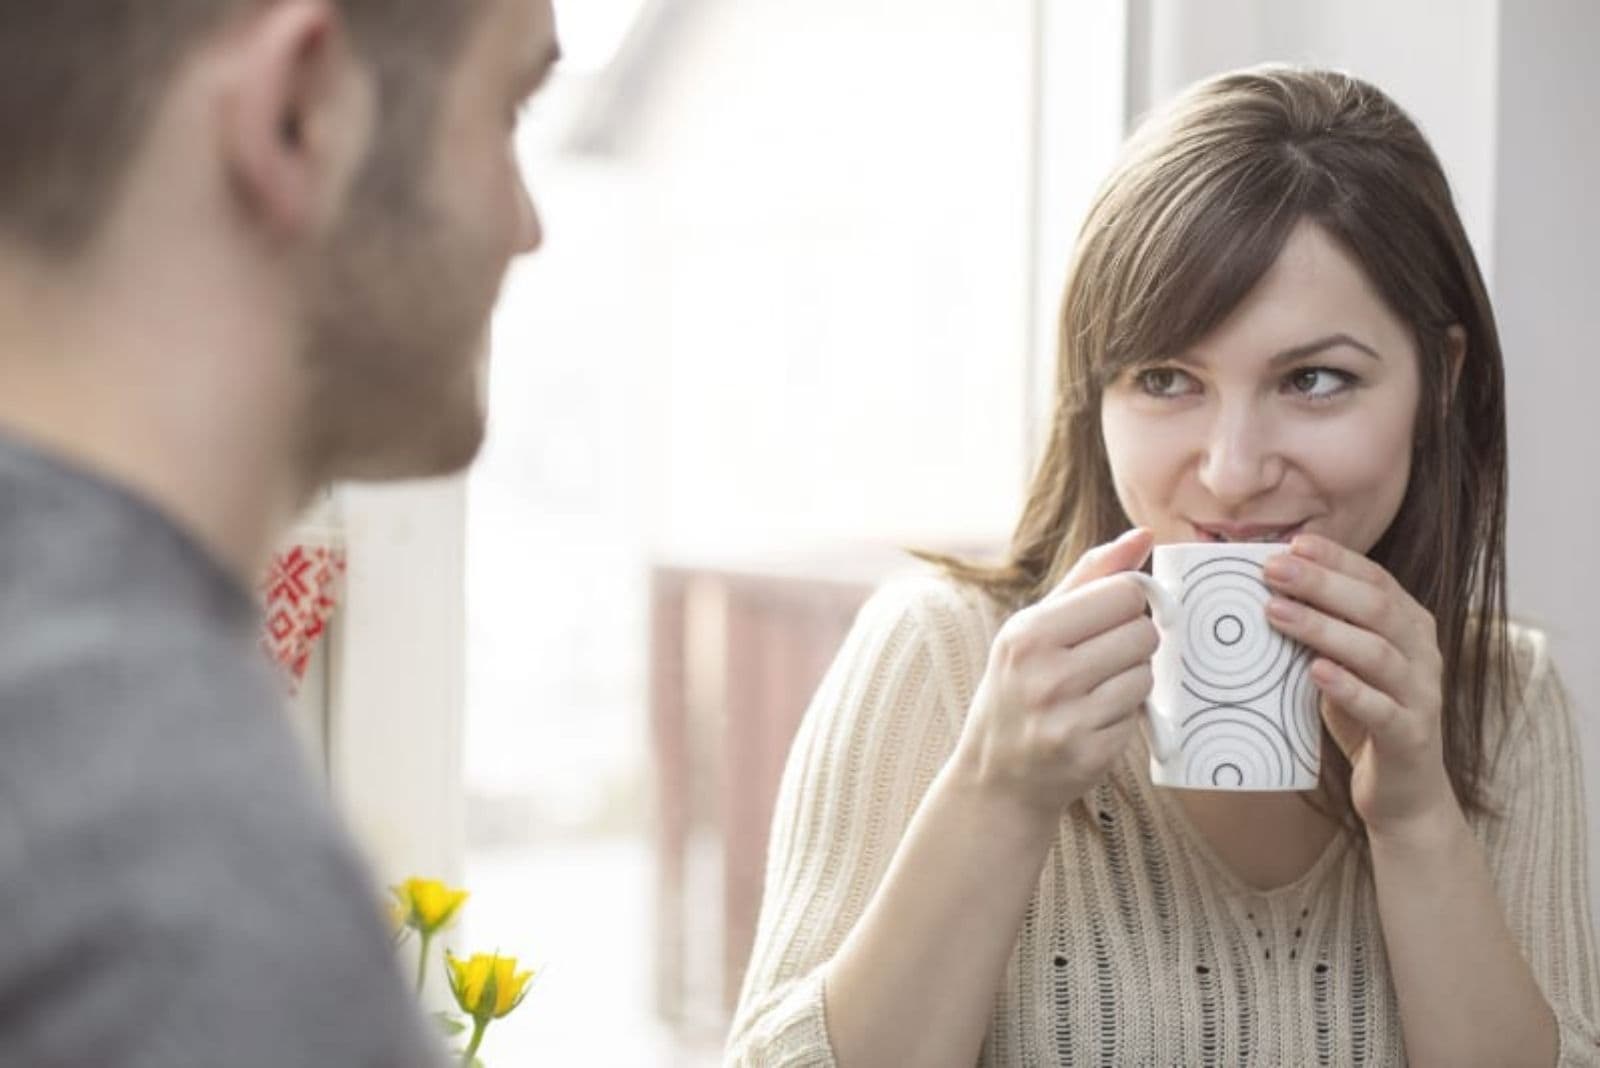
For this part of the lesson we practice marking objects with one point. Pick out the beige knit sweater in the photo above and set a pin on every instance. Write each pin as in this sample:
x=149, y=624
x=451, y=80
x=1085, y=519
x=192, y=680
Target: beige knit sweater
x=1139, y=946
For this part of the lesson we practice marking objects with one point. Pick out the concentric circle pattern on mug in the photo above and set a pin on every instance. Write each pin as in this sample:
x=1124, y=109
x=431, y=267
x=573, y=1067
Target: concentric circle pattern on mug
x=1249, y=726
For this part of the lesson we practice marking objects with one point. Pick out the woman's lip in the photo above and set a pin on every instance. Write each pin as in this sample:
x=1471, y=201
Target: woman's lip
x=1248, y=531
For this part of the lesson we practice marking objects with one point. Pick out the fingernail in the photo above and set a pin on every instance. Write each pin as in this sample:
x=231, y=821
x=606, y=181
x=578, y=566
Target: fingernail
x=1283, y=567
x=1283, y=610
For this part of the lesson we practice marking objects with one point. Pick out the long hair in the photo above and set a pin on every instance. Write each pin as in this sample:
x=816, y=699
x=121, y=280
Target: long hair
x=1196, y=211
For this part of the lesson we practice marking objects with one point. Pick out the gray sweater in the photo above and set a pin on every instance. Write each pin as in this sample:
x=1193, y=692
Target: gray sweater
x=174, y=889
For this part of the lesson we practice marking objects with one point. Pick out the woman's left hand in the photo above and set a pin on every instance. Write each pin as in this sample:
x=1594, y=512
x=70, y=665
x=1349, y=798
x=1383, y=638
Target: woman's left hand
x=1380, y=672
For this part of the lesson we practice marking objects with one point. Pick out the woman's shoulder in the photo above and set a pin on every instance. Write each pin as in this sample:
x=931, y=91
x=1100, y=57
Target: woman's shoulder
x=953, y=621
x=1536, y=716
x=1529, y=671
x=930, y=600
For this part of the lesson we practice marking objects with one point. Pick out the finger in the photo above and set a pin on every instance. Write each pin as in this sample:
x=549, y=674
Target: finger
x=1335, y=592
x=1385, y=721
x=1104, y=746
x=1067, y=735
x=1079, y=616
x=1120, y=697
x=1105, y=655
x=1126, y=553
x=1347, y=732
x=1331, y=554
x=1386, y=609
x=1370, y=655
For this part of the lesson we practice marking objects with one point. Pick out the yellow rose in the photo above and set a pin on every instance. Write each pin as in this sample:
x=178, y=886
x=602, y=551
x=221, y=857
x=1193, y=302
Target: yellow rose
x=488, y=986
x=428, y=904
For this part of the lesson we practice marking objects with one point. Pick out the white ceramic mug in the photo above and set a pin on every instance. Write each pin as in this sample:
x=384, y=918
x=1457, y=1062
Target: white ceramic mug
x=1233, y=706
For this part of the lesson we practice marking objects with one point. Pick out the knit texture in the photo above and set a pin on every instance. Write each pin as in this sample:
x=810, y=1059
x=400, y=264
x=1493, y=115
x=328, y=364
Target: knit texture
x=1139, y=946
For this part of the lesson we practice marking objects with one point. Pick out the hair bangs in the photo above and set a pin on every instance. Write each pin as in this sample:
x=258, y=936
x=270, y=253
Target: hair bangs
x=1199, y=260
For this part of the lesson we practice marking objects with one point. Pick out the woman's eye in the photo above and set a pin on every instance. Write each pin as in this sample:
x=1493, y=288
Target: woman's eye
x=1317, y=383
x=1164, y=382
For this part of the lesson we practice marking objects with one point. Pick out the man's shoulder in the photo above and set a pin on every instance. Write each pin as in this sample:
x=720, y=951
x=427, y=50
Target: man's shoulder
x=194, y=929
x=169, y=737
x=175, y=874
x=92, y=701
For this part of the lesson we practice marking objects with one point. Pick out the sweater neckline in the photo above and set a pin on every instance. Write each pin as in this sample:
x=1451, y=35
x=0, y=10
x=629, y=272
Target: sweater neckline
x=1220, y=869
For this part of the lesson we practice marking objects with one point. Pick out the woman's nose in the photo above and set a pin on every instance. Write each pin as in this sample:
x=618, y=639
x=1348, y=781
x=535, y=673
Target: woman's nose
x=1240, y=460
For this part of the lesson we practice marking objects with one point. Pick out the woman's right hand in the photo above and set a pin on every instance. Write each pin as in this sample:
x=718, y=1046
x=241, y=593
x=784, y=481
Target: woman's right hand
x=1064, y=688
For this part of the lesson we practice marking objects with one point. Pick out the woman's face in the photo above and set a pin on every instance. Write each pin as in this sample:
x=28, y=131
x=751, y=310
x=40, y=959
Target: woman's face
x=1295, y=414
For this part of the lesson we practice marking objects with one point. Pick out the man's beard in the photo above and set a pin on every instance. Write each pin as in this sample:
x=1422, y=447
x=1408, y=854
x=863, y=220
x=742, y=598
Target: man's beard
x=397, y=310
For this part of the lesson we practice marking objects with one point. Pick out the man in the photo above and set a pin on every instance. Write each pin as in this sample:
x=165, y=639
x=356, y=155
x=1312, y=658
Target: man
x=246, y=247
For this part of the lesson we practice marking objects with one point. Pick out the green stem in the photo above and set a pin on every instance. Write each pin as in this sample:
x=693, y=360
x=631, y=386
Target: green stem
x=478, y=1028
x=422, y=962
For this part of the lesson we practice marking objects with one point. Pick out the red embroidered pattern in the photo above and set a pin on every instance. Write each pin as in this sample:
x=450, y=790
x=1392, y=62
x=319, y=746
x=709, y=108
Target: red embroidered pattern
x=301, y=591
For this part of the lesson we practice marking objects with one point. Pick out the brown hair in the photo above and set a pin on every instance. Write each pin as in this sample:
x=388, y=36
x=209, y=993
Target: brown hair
x=1196, y=211
x=80, y=81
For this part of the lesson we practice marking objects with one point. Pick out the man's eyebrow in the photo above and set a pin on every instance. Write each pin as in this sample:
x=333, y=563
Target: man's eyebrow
x=1311, y=348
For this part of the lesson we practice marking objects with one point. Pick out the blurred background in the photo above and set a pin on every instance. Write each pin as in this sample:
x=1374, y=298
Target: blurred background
x=794, y=312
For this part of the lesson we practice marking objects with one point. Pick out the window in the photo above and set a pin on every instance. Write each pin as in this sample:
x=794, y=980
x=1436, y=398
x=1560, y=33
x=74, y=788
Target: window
x=799, y=263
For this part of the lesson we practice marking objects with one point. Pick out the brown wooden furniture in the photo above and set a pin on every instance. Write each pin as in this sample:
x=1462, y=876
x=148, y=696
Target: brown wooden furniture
x=737, y=650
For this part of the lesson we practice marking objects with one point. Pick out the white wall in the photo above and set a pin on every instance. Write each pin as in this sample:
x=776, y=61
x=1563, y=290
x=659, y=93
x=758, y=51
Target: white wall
x=1438, y=61
x=1078, y=127
x=840, y=193
x=1547, y=236
x=398, y=678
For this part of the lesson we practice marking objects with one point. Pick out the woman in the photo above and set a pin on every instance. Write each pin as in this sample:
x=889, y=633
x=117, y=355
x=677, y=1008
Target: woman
x=1274, y=329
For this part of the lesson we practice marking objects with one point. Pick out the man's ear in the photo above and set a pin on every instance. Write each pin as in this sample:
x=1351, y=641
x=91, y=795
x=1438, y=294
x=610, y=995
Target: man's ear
x=297, y=116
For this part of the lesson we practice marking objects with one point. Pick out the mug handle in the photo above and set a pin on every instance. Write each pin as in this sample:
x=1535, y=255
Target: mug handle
x=1167, y=612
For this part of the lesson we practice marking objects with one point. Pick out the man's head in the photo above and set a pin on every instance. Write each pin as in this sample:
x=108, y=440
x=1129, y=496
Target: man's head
x=362, y=153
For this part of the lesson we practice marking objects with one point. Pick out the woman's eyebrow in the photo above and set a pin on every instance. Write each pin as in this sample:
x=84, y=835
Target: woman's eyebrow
x=1311, y=348
x=1299, y=352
